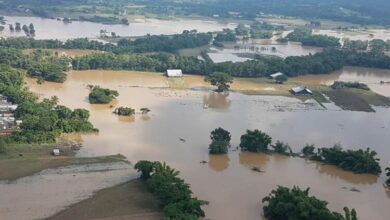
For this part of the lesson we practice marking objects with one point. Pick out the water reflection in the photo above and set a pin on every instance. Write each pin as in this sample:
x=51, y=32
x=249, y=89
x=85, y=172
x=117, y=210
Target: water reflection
x=350, y=177
x=258, y=160
x=236, y=191
x=127, y=119
x=219, y=162
x=216, y=100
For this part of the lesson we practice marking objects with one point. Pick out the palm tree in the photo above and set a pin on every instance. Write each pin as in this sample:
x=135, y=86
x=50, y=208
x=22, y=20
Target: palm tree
x=166, y=170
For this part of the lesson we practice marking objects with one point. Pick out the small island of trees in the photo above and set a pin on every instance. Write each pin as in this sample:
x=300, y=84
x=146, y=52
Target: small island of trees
x=357, y=161
x=124, y=111
x=284, y=203
x=220, y=141
x=100, y=95
x=255, y=141
x=174, y=194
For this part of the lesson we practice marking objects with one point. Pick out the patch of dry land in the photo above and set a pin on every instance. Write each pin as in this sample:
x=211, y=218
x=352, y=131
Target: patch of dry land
x=130, y=200
x=70, y=185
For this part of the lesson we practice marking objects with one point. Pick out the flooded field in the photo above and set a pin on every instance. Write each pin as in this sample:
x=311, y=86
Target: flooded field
x=368, y=34
x=53, y=29
x=238, y=52
x=177, y=131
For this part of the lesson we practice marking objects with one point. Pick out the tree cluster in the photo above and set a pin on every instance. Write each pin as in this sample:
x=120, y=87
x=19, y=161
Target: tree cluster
x=173, y=193
x=284, y=203
x=357, y=161
x=100, y=95
x=220, y=141
x=125, y=111
x=255, y=141
x=305, y=36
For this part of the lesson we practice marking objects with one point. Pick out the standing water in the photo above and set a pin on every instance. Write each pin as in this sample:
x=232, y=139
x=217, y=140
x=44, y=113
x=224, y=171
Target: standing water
x=227, y=182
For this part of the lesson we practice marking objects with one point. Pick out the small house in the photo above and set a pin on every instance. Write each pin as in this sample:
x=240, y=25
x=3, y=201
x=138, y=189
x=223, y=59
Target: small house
x=174, y=73
x=301, y=90
x=56, y=152
x=273, y=76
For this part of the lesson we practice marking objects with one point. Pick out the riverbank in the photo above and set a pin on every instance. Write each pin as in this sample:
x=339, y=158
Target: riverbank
x=130, y=200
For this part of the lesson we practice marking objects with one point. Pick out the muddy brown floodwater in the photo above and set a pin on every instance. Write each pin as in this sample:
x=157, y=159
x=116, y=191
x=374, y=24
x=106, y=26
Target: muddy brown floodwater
x=227, y=182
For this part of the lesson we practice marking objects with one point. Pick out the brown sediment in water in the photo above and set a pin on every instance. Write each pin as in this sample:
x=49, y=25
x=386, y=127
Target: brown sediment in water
x=234, y=192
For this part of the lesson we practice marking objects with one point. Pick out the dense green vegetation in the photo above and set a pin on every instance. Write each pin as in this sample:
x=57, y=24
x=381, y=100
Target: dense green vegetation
x=148, y=43
x=282, y=148
x=320, y=63
x=42, y=121
x=255, y=141
x=40, y=64
x=354, y=85
x=262, y=30
x=226, y=35
x=289, y=204
x=357, y=161
x=219, y=79
x=220, y=141
x=165, y=43
x=125, y=111
x=305, y=36
x=100, y=95
x=173, y=193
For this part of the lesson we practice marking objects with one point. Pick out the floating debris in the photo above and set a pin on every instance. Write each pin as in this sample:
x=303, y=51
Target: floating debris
x=257, y=169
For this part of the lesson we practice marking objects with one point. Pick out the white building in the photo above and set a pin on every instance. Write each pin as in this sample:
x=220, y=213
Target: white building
x=174, y=73
x=301, y=90
x=273, y=76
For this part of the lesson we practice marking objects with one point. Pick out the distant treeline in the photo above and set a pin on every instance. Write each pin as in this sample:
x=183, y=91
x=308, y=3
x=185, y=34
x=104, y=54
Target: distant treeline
x=305, y=36
x=320, y=63
x=149, y=43
x=52, y=68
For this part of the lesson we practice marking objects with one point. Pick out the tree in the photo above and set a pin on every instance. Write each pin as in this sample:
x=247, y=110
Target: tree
x=145, y=167
x=282, y=148
x=3, y=146
x=220, y=141
x=255, y=141
x=281, y=79
x=173, y=193
x=285, y=203
x=18, y=26
x=308, y=150
x=220, y=79
x=102, y=96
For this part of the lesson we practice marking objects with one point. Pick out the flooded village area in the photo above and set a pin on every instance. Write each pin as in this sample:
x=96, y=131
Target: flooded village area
x=184, y=110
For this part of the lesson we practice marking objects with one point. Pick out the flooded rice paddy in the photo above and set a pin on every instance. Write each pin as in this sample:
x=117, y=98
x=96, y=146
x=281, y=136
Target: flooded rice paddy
x=45, y=193
x=178, y=127
x=53, y=29
x=239, y=52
